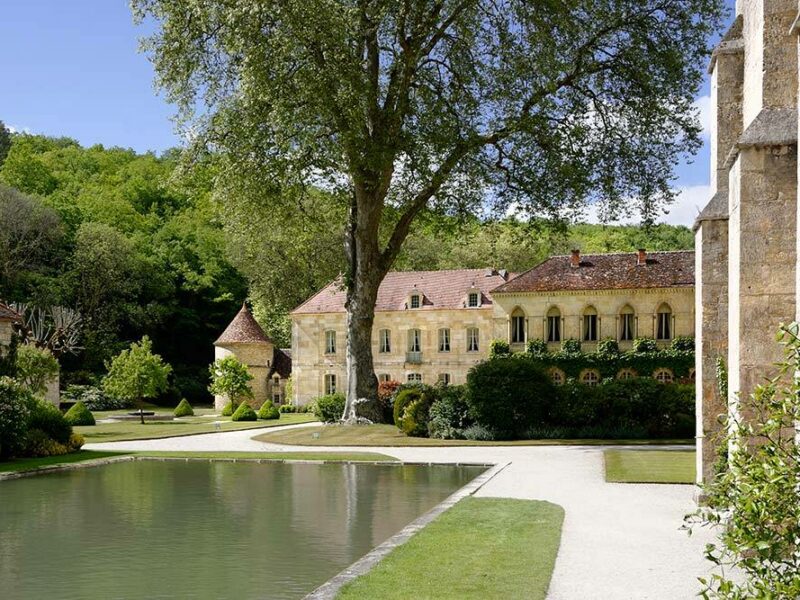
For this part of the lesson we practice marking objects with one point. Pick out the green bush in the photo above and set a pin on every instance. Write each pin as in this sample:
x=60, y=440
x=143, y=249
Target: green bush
x=608, y=346
x=499, y=348
x=478, y=433
x=509, y=395
x=48, y=419
x=184, y=409
x=571, y=346
x=330, y=408
x=416, y=416
x=642, y=345
x=449, y=414
x=289, y=408
x=537, y=347
x=78, y=414
x=93, y=397
x=405, y=396
x=15, y=407
x=244, y=413
x=227, y=410
x=683, y=343
x=40, y=444
x=269, y=411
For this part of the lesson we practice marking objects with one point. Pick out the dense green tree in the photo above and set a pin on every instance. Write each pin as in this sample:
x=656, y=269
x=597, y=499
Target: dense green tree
x=230, y=378
x=137, y=374
x=5, y=142
x=397, y=107
x=35, y=367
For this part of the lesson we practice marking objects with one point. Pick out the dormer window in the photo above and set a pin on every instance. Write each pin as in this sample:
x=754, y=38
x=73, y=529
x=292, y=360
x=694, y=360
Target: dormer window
x=416, y=301
x=473, y=300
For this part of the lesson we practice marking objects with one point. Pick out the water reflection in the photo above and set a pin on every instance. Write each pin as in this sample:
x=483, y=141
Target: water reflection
x=203, y=529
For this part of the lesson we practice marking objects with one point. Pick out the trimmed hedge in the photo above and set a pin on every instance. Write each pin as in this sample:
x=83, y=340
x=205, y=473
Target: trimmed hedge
x=184, y=409
x=78, y=414
x=268, y=411
x=507, y=395
x=330, y=408
x=244, y=413
x=227, y=410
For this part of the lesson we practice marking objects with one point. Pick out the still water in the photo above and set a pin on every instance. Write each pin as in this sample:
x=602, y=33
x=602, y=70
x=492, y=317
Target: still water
x=202, y=529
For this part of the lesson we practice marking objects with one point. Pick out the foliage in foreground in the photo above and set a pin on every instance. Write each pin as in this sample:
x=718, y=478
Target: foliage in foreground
x=78, y=414
x=754, y=503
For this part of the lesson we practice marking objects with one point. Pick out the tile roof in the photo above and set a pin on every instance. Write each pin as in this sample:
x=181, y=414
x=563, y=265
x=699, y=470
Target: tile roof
x=7, y=313
x=606, y=272
x=439, y=289
x=281, y=363
x=244, y=329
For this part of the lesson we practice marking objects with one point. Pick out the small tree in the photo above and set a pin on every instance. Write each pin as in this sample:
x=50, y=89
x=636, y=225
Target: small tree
x=753, y=502
x=35, y=367
x=230, y=378
x=137, y=374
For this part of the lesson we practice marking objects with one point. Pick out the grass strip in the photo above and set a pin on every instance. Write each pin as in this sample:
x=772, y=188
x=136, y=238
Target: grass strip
x=389, y=435
x=27, y=464
x=650, y=466
x=122, y=431
x=480, y=548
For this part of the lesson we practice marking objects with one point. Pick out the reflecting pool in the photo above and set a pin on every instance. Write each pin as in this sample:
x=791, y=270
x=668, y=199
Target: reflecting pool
x=149, y=529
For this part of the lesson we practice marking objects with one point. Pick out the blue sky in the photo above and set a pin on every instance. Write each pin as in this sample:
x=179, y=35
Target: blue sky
x=72, y=68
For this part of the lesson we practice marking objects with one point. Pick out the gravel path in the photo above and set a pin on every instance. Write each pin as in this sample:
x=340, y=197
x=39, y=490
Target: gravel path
x=619, y=542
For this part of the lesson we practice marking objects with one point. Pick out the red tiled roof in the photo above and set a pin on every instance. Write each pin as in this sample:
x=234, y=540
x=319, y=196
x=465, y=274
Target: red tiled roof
x=244, y=329
x=606, y=272
x=439, y=289
x=281, y=363
x=7, y=313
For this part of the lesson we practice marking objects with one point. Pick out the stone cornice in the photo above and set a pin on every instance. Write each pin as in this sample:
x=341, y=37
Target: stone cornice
x=608, y=292
x=773, y=127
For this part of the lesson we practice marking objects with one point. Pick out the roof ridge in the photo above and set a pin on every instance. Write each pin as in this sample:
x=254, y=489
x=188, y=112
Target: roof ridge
x=629, y=253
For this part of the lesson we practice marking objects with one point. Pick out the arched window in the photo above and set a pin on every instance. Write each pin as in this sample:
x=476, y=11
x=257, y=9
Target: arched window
x=663, y=376
x=558, y=376
x=627, y=324
x=554, y=325
x=590, y=324
x=590, y=377
x=664, y=322
x=517, y=326
x=626, y=374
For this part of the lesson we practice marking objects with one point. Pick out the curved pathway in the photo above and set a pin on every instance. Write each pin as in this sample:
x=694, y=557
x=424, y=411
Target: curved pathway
x=619, y=541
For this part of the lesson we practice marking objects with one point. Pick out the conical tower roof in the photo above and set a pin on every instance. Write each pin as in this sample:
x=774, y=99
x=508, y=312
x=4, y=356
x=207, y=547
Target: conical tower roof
x=244, y=329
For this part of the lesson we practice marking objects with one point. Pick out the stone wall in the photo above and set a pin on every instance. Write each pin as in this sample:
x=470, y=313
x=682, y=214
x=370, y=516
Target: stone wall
x=257, y=357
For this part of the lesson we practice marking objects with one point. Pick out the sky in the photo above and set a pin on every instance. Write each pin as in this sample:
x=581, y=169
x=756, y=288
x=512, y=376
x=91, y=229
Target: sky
x=72, y=68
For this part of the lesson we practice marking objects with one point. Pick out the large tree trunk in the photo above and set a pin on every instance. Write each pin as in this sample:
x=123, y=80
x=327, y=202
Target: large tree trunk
x=366, y=271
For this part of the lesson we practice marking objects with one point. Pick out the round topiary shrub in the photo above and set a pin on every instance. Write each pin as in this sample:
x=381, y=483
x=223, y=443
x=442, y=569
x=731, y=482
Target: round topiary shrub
x=508, y=396
x=227, y=410
x=269, y=411
x=184, y=409
x=78, y=414
x=330, y=408
x=244, y=413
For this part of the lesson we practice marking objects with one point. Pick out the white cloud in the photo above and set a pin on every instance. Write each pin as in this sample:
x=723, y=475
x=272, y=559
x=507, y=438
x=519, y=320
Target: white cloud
x=688, y=204
x=15, y=129
x=703, y=106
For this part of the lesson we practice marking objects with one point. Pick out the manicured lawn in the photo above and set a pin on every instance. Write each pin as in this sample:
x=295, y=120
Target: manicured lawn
x=389, y=435
x=133, y=430
x=650, y=466
x=26, y=464
x=480, y=548
x=327, y=456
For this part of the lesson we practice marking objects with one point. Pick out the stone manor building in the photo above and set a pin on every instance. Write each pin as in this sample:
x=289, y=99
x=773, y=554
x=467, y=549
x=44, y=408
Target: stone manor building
x=746, y=237
x=435, y=325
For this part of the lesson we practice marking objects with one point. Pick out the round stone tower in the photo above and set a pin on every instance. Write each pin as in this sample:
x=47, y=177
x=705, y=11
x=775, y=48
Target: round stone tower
x=245, y=340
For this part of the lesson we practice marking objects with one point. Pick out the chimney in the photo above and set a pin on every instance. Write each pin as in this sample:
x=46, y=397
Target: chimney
x=575, y=259
x=641, y=257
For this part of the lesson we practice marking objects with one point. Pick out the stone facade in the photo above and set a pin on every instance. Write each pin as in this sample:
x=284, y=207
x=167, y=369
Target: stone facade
x=643, y=288
x=750, y=224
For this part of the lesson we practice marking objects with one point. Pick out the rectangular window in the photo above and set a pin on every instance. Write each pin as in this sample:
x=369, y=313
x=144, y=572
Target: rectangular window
x=415, y=301
x=472, y=339
x=384, y=377
x=553, y=329
x=385, y=341
x=330, y=342
x=330, y=384
x=414, y=340
x=473, y=299
x=444, y=340
x=444, y=378
x=276, y=397
x=414, y=378
x=590, y=328
x=517, y=330
x=626, y=333
x=664, y=326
